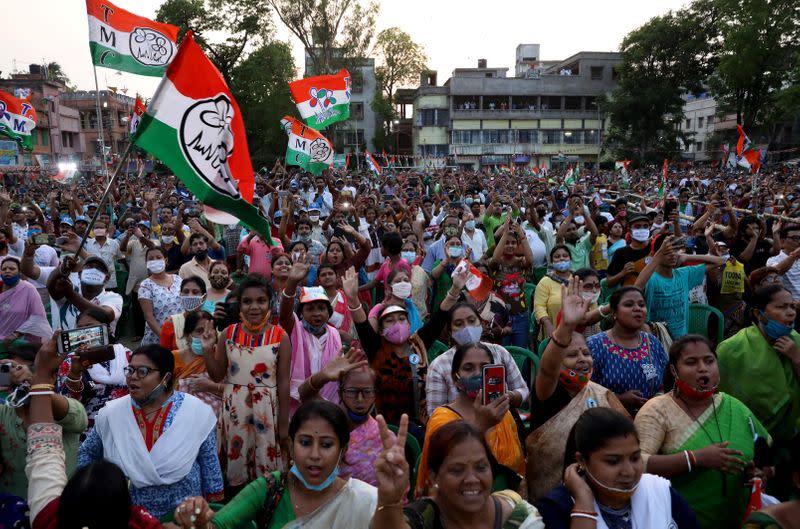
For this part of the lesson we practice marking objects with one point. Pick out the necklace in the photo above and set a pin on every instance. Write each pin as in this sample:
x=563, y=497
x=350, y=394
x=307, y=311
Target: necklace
x=696, y=418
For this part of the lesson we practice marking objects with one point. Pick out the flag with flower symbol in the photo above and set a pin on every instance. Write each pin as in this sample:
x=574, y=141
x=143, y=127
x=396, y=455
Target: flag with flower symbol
x=322, y=100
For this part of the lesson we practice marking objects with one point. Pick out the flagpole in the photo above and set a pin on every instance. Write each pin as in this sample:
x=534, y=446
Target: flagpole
x=105, y=195
x=103, y=167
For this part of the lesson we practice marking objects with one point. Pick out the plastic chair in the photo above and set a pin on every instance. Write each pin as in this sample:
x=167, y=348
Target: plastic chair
x=605, y=291
x=413, y=456
x=435, y=350
x=520, y=355
x=701, y=321
x=538, y=273
x=542, y=347
x=529, y=289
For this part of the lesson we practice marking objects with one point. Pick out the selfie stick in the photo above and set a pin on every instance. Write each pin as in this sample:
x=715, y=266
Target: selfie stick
x=104, y=197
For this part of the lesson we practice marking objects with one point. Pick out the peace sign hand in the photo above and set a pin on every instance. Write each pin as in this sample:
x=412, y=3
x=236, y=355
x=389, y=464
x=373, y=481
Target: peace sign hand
x=391, y=467
x=209, y=337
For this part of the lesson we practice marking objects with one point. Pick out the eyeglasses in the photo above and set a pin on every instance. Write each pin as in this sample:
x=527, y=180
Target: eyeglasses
x=141, y=371
x=353, y=393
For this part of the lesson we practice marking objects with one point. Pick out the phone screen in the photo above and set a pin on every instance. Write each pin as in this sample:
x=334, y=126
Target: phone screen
x=94, y=336
x=5, y=374
x=494, y=382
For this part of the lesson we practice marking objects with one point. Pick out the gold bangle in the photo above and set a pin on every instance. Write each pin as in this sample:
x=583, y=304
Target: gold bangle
x=283, y=293
x=388, y=506
x=43, y=387
x=353, y=308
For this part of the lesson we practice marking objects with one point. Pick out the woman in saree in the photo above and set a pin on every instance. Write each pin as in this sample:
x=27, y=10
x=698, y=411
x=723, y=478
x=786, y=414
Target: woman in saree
x=563, y=390
x=23, y=314
x=461, y=470
x=494, y=419
x=702, y=441
x=310, y=496
x=190, y=366
x=783, y=515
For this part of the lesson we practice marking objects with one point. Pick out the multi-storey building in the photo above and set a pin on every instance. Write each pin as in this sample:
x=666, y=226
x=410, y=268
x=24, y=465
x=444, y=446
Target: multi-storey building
x=547, y=116
x=116, y=110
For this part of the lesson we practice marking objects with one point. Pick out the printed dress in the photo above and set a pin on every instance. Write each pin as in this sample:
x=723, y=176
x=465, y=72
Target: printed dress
x=166, y=302
x=621, y=369
x=248, y=424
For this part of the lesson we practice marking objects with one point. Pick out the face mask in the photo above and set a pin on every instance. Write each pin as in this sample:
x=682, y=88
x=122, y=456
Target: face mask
x=315, y=330
x=470, y=386
x=774, y=329
x=10, y=281
x=591, y=296
x=469, y=225
x=640, y=234
x=156, y=266
x=304, y=236
x=692, y=392
x=201, y=255
x=455, y=251
x=314, y=218
x=254, y=328
x=579, y=219
x=92, y=277
x=401, y=289
x=397, y=333
x=167, y=239
x=197, y=346
x=467, y=334
x=322, y=486
x=450, y=231
x=614, y=494
x=153, y=395
x=100, y=232
x=623, y=214
x=468, y=201
x=33, y=232
x=726, y=256
x=409, y=257
x=561, y=266
x=219, y=282
x=208, y=306
x=191, y=303
x=355, y=417
x=572, y=380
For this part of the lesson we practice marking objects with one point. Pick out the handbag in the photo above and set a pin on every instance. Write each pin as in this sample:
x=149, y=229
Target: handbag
x=276, y=485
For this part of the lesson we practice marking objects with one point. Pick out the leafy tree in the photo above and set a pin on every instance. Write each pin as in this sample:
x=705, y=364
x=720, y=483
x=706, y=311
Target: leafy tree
x=246, y=22
x=261, y=89
x=383, y=114
x=759, y=53
x=666, y=57
x=331, y=32
x=403, y=60
x=55, y=71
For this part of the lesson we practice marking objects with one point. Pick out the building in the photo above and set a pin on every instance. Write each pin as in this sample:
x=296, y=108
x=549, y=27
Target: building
x=546, y=116
x=116, y=110
x=57, y=137
x=358, y=132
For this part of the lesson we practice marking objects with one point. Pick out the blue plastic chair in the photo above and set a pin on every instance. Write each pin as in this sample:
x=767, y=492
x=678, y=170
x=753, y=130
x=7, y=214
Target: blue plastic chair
x=706, y=321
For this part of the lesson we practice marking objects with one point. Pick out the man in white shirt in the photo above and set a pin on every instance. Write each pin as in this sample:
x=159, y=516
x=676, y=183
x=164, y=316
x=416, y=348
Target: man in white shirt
x=106, y=249
x=788, y=259
x=473, y=238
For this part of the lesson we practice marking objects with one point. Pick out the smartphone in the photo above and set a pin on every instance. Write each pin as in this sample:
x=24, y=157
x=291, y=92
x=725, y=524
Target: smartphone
x=93, y=336
x=44, y=238
x=61, y=241
x=5, y=374
x=231, y=309
x=95, y=355
x=669, y=208
x=494, y=382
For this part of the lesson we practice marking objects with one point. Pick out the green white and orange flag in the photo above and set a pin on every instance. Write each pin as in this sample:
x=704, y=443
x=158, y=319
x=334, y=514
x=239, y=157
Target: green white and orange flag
x=123, y=41
x=194, y=126
x=17, y=119
x=307, y=148
x=322, y=100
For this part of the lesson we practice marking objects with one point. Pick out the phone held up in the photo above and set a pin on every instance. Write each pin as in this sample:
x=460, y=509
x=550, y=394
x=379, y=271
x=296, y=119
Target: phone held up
x=92, y=337
x=494, y=382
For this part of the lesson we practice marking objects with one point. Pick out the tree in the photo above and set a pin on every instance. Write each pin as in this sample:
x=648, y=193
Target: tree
x=260, y=86
x=402, y=60
x=331, y=32
x=53, y=70
x=247, y=23
x=662, y=60
x=759, y=51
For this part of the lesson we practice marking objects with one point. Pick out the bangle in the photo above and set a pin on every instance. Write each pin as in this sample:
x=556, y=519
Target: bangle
x=451, y=296
x=693, y=458
x=43, y=387
x=76, y=380
x=32, y=393
x=353, y=308
x=388, y=506
x=590, y=513
x=575, y=514
x=284, y=294
x=688, y=461
x=561, y=345
x=600, y=309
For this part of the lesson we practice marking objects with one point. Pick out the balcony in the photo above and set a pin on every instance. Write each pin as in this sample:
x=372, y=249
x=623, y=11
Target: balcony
x=482, y=149
x=525, y=114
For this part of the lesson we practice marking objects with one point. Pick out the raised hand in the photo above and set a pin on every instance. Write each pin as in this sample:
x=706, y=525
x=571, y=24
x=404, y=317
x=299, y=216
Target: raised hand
x=333, y=370
x=573, y=306
x=209, y=337
x=391, y=467
x=350, y=286
x=491, y=414
x=299, y=269
x=459, y=278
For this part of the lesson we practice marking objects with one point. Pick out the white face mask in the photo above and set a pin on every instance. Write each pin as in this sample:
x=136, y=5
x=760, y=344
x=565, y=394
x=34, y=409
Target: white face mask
x=640, y=234
x=579, y=219
x=591, y=296
x=92, y=277
x=100, y=232
x=156, y=266
x=314, y=218
x=402, y=289
x=167, y=239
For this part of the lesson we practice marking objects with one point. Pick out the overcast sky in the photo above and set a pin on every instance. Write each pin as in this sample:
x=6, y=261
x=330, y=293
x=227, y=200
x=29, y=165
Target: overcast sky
x=455, y=34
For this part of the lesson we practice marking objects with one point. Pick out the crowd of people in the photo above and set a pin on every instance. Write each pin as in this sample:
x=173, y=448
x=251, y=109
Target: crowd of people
x=419, y=349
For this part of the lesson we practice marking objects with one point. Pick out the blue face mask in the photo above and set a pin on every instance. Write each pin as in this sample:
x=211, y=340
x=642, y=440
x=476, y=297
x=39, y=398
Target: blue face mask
x=10, y=281
x=33, y=231
x=316, y=331
x=197, y=345
x=355, y=417
x=322, y=486
x=561, y=266
x=208, y=306
x=775, y=329
x=409, y=257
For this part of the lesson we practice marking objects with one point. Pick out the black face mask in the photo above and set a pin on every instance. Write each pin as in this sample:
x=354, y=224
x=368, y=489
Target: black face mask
x=201, y=254
x=3, y=245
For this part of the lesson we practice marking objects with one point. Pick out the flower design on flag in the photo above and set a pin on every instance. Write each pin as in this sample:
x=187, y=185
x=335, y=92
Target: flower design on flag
x=322, y=97
x=3, y=113
x=151, y=47
x=320, y=150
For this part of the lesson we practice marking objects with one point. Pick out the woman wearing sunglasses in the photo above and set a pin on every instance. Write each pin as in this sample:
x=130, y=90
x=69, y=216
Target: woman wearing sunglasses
x=163, y=440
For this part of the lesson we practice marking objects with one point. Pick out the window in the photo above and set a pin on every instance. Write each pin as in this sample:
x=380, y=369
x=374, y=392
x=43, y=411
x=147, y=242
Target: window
x=551, y=102
x=596, y=73
x=551, y=136
x=614, y=73
x=698, y=146
x=436, y=151
x=688, y=123
x=710, y=120
x=591, y=102
x=357, y=80
x=357, y=110
x=527, y=136
x=700, y=122
x=45, y=138
x=572, y=102
x=573, y=136
x=489, y=75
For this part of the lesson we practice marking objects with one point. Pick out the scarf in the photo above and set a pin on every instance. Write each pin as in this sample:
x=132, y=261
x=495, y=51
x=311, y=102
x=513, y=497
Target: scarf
x=651, y=505
x=111, y=373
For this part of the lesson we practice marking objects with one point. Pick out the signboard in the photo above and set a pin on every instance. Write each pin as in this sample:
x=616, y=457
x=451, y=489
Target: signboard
x=8, y=152
x=339, y=160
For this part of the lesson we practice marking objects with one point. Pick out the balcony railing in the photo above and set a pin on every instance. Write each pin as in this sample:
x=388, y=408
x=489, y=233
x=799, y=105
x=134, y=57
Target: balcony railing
x=525, y=114
x=481, y=149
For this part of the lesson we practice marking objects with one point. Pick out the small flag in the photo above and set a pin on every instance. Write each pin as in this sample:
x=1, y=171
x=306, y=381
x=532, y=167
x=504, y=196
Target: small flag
x=194, y=126
x=754, y=504
x=123, y=41
x=750, y=159
x=371, y=163
x=622, y=166
x=743, y=143
x=568, y=177
x=664, y=171
x=323, y=100
x=17, y=119
x=307, y=148
x=478, y=285
x=138, y=111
